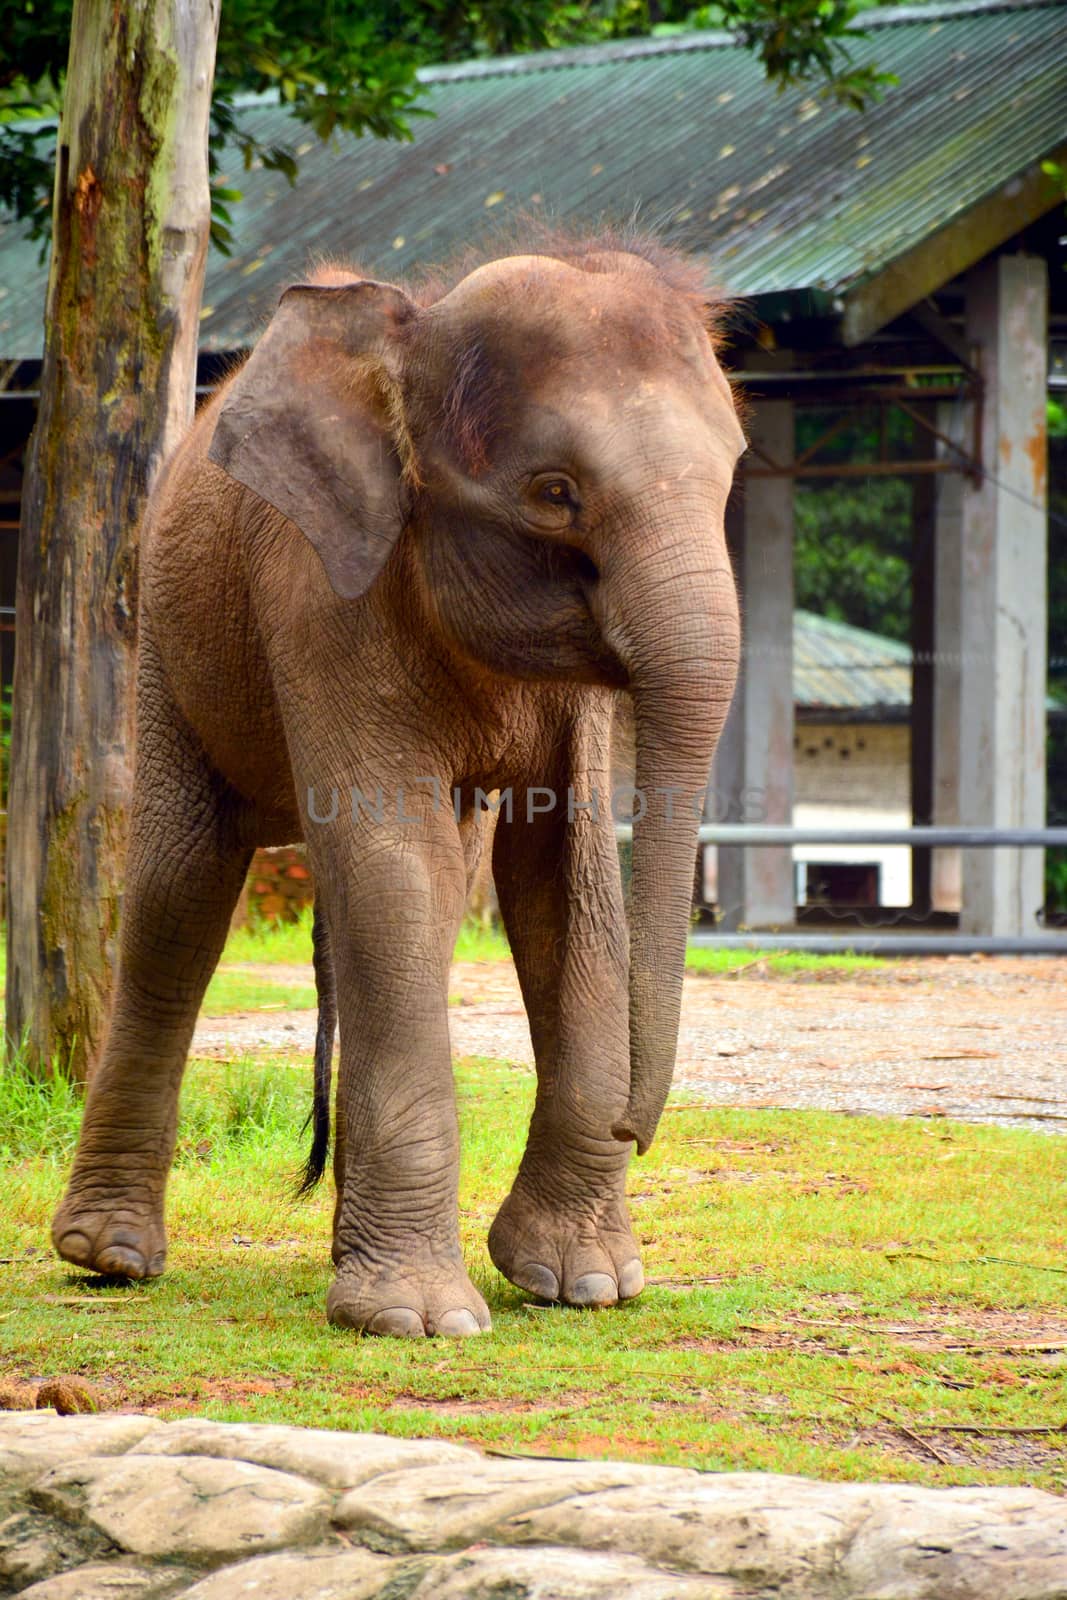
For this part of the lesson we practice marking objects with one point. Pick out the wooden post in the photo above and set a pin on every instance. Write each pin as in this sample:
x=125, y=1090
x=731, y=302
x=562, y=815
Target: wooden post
x=130, y=231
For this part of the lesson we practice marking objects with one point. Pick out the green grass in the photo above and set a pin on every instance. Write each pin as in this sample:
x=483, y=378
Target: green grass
x=290, y=943
x=825, y=1293
x=259, y=941
x=478, y=943
x=780, y=961
x=233, y=990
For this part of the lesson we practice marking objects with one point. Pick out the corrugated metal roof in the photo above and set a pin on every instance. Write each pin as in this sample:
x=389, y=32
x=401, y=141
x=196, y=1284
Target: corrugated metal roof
x=837, y=667
x=782, y=192
x=840, y=668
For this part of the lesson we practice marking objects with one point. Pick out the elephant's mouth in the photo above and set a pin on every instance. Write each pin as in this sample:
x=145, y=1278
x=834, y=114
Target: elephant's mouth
x=585, y=568
x=568, y=564
x=575, y=574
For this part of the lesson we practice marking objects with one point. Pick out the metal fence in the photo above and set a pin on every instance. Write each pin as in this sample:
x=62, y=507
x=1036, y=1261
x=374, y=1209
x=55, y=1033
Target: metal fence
x=882, y=941
x=937, y=838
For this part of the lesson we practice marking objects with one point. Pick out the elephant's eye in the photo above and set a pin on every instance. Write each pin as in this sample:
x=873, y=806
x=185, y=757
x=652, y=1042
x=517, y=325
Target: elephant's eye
x=555, y=490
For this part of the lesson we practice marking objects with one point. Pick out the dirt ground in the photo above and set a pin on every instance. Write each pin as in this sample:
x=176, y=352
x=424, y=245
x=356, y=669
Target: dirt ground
x=980, y=1039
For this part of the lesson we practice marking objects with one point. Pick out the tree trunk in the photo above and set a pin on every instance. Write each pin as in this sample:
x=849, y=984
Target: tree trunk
x=130, y=231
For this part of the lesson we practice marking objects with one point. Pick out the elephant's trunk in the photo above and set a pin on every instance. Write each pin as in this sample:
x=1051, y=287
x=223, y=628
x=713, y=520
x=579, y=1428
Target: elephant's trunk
x=682, y=654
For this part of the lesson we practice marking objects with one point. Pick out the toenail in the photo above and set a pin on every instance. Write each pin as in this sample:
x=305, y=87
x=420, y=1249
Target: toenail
x=593, y=1289
x=74, y=1246
x=631, y=1279
x=398, y=1321
x=538, y=1280
x=119, y=1261
x=457, y=1324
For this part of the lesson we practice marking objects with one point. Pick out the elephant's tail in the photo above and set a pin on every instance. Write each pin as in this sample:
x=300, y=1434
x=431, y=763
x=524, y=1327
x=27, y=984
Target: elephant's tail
x=319, y=1115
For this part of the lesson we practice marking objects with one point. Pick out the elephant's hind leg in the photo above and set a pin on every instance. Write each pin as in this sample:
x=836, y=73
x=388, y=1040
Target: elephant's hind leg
x=183, y=875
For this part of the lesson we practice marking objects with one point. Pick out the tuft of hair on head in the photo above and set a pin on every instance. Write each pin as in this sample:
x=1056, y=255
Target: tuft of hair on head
x=329, y=274
x=598, y=249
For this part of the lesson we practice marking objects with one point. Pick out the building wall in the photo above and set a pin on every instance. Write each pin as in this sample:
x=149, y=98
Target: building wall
x=848, y=776
x=853, y=764
x=852, y=775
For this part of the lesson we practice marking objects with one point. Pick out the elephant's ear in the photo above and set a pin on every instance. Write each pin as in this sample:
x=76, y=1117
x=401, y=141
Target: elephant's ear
x=304, y=426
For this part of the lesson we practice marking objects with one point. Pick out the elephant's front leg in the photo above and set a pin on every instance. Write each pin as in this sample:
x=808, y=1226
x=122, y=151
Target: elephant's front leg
x=563, y=1233
x=393, y=925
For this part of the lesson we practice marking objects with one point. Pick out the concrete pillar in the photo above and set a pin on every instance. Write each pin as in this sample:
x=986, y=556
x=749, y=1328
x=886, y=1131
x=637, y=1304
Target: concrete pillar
x=923, y=628
x=1004, y=601
x=753, y=780
x=954, y=420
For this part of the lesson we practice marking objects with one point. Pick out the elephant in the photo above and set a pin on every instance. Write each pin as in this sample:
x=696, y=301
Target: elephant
x=411, y=553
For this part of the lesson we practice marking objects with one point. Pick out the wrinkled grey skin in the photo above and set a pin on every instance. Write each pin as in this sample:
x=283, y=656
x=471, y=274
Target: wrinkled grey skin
x=431, y=541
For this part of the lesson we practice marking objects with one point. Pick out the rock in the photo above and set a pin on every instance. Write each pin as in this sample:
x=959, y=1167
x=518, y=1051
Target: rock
x=109, y=1580
x=307, y=1575
x=185, y=1506
x=960, y=1544
x=810, y=1540
x=546, y=1574
x=757, y=1528
x=437, y=1506
x=34, y=1546
x=30, y=1443
x=119, y=1507
x=337, y=1460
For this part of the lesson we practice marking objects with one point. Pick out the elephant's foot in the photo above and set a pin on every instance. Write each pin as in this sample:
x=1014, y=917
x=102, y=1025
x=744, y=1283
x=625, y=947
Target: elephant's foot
x=408, y=1300
x=123, y=1238
x=584, y=1254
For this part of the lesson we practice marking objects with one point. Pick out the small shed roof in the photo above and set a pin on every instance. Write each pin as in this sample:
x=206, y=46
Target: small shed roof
x=846, y=672
x=794, y=202
x=839, y=668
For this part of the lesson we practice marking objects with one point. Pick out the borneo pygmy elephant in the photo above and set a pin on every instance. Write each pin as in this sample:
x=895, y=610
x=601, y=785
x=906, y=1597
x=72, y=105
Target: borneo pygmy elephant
x=409, y=552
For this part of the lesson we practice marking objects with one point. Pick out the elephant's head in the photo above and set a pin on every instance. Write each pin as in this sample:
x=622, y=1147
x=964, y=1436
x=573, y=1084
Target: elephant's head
x=556, y=441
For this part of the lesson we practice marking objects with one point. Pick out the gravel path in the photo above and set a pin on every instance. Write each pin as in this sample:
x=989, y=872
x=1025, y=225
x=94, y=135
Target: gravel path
x=982, y=1039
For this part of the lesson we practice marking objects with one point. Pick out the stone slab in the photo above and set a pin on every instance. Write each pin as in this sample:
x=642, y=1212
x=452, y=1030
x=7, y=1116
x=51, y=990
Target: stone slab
x=113, y=1508
x=936, y=1544
x=338, y=1574
x=439, y=1507
x=30, y=1442
x=809, y=1540
x=185, y=1506
x=550, y=1574
x=758, y=1528
x=336, y=1460
x=34, y=1546
x=107, y=1580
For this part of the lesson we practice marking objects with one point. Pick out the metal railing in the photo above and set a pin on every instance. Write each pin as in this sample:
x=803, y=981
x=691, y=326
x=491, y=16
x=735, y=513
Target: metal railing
x=962, y=838
x=881, y=941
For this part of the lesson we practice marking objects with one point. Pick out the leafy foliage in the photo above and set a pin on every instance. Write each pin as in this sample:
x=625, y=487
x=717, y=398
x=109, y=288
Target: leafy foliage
x=806, y=39
x=351, y=67
x=853, y=553
x=853, y=535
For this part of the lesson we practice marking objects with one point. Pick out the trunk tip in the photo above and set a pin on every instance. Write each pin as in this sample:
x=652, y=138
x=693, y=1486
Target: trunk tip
x=626, y=1132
